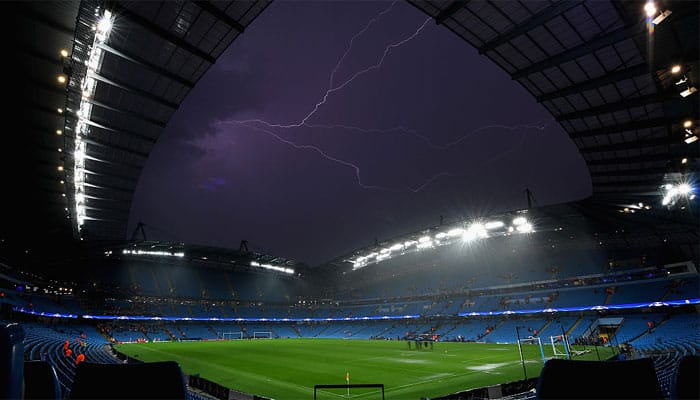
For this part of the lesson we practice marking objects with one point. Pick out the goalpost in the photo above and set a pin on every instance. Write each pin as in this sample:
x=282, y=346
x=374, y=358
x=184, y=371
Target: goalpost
x=262, y=335
x=564, y=342
x=530, y=340
x=232, y=335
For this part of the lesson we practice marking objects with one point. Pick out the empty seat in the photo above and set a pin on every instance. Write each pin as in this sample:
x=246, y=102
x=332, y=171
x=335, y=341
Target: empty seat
x=40, y=381
x=158, y=380
x=571, y=379
x=687, y=386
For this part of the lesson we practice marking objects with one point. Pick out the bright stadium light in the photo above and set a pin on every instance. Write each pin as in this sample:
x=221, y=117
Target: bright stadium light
x=423, y=245
x=662, y=16
x=650, y=9
x=64, y=53
x=676, y=69
x=397, y=246
x=475, y=231
x=519, y=221
x=153, y=253
x=687, y=123
x=687, y=92
x=524, y=228
x=455, y=232
x=673, y=193
x=424, y=239
x=493, y=224
x=88, y=85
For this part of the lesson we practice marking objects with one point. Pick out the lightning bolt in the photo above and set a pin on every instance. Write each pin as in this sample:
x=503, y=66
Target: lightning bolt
x=316, y=149
x=249, y=123
x=352, y=40
x=332, y=90
x=361, y=72
x=356, y=168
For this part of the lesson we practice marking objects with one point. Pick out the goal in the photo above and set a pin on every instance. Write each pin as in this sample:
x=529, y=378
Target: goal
x=560, y=346
x=231, y=335
x=262, y=335
x=529, y=342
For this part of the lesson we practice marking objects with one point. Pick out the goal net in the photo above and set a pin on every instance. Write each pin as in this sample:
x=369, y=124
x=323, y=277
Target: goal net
x=530, y=348
x=262, y=335
x=231, y=335
x=560, y=346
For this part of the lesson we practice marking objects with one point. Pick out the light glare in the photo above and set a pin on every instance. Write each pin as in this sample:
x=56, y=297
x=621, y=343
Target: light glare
x=650, y=9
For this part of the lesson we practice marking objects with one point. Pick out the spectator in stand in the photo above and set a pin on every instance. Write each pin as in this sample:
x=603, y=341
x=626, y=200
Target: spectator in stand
x=80, y=358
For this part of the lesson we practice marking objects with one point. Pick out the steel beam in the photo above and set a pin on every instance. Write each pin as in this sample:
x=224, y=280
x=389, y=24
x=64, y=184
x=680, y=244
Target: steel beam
x=603, y=39
x=630, y=126
x=161, y=32
x=533, y=22
x=219, y=14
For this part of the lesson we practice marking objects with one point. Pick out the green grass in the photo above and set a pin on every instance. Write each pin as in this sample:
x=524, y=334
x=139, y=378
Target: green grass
x=289, y=368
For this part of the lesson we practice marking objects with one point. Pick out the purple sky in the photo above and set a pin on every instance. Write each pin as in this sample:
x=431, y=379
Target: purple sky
x=212, y=179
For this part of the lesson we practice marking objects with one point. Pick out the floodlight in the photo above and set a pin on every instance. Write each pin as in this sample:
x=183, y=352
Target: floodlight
x=650, y=9
x=689, y=91
x=440, y=235
x=519, y=221
x=60, y=110
x=105, y=23
x=661, y=17
x=493, y=224
x=692, y=197
x=455, y=232
x=676, y=69
x=424, y=239
x=59, y=132
x=475, y=231
x=397, y=246
x=691, y=139
x=384, y=251
x=524, y=228
x=60, y=167
x=64, y=53
x=684, y=188
x=684, y=161
x=687, y=123
x=61, y=79
x=423, y=245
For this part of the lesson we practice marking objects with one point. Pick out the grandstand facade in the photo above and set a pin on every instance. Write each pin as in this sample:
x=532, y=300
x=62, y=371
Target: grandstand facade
x=616, y=271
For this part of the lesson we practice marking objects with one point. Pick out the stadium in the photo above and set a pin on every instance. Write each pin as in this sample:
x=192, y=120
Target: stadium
x=341, y=258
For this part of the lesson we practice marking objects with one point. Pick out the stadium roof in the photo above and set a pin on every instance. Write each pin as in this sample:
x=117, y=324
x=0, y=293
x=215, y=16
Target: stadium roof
x=599, y=67
x=603, y=71
x=156, y=53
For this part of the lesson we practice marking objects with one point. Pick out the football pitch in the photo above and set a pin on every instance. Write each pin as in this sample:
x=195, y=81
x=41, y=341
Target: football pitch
x=289, y=368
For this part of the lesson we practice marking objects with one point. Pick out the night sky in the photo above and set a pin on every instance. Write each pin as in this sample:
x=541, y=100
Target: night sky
x=443, y=131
